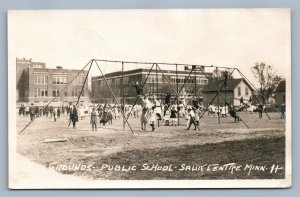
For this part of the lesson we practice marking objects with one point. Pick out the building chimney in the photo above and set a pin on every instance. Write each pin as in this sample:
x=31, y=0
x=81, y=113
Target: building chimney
x=59, y=67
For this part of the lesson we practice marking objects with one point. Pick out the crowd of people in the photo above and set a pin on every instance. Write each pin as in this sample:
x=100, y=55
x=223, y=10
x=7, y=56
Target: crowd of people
x=151, y=111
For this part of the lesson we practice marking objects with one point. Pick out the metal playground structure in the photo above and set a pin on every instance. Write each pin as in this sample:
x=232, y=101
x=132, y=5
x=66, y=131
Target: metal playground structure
x=156, y=67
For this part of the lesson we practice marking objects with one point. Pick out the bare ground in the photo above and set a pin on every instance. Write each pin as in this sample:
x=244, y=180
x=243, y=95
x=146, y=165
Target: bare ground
x=263, y=144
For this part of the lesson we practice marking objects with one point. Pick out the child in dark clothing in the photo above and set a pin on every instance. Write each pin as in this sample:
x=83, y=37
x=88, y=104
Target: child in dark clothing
x=173, y=116
x=104, y=118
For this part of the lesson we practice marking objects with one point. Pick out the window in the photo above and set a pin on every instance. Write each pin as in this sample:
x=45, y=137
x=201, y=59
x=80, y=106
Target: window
x=173, y=79
x=246, y=91
x=59, y=79
x=179, y=79
x=126, y=80
x=189, y=79
x=65, y=80
x=154, y=90
x=239, y=91
x=55, y=92
x=40, y=92
x=40, y=79
x=74, y=93
x=66, y=93
x=117, y=81
x=43, y=93
x=154, y=79
x=283, y=98
x=79, y=80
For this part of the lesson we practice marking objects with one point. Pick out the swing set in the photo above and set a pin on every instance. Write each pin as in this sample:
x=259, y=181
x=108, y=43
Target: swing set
x=176, y=91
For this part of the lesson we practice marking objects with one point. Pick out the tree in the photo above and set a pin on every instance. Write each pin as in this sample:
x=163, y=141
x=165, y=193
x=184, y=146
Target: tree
x=267, y=78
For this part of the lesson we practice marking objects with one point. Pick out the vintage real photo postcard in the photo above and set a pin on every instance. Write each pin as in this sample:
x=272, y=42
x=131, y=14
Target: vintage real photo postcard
x=170, y=98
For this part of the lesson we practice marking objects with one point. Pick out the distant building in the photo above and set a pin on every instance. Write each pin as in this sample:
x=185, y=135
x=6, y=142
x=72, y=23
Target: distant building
x=38, y=84
x=236, y=88
x=280, y=93
x=154, y=86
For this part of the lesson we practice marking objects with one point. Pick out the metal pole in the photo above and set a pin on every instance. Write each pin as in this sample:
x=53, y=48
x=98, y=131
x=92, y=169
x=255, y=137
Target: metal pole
x=195, y=83
x=84, y=83
x=225, y=82
x=177, y=93
x=218, y=99
x=123, y=100
x=172, y=64
x=157, y=91
x=153, y=85
x=156, y=82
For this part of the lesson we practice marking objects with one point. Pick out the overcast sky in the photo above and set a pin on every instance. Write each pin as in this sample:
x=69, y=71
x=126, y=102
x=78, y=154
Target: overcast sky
x=232, y=37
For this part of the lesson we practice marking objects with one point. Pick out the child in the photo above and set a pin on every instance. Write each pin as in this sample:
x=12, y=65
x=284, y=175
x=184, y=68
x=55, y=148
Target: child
x=233, y=114
x=187, y=117
x=109, y=116
x=174, y=116
x=192, y=119
x=260, y=110
x=81, y=112
x=197, y=116
x=54, y=113
x=157, y=105
x=93, y=121
x=223, y=111
x=144, y=119
x=152, y=119
x=58, y=113
x=167, y=117
x=104, y=117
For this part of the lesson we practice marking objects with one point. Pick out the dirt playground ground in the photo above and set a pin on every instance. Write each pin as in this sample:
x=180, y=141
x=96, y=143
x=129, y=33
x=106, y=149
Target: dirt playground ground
x=218, y=151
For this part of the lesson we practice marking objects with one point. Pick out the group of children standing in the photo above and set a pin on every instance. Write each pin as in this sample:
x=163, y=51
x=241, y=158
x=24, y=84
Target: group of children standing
x=153, y=112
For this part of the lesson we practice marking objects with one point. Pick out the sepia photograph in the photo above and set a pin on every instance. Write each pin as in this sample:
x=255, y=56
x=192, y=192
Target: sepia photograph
x=145, y=98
